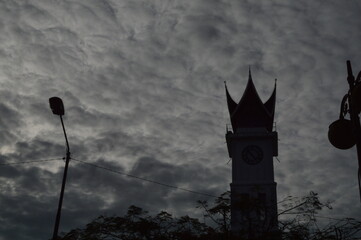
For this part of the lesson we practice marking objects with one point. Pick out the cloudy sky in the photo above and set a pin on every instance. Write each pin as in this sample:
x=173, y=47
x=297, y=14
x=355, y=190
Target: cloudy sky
x=143, y=88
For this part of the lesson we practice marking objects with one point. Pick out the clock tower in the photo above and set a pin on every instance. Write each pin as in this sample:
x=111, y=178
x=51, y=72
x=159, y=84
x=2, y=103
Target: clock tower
x=252, y=144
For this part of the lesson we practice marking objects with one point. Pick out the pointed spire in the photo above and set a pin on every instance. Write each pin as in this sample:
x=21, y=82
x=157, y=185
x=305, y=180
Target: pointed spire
x=232, y=105
x=251, y=112
x=270, y=104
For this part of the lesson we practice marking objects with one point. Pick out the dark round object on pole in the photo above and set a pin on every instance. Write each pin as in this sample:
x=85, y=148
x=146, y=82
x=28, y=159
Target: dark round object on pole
x=340, y=134
x=56, y=105
x=356, y=98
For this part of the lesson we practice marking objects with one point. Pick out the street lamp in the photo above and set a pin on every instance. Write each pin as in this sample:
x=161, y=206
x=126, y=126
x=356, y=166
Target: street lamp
x=345, y=133
x=57, y=107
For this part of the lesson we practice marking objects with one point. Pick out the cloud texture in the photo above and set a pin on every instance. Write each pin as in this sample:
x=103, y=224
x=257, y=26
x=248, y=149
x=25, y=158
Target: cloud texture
x=142, y=85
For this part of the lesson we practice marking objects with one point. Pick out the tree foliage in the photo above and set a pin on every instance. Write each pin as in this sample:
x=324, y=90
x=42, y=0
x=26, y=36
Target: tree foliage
x=299, y=221
x=137, y=224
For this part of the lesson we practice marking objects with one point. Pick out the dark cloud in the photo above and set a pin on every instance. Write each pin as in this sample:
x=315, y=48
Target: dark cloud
x=142, y=84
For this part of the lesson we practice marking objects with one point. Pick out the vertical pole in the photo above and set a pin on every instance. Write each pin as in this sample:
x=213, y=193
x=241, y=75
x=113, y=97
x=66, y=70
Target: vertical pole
x=357, y=128
x=358, y=146
x=57, y=220
x=355, y=121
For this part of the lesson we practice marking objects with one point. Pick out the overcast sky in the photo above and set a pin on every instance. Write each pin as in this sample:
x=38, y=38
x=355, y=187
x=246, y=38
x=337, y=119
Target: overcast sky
x=142, y=85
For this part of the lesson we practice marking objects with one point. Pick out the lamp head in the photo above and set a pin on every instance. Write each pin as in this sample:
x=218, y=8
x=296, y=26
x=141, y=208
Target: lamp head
x=57, y=106
x=340, y=134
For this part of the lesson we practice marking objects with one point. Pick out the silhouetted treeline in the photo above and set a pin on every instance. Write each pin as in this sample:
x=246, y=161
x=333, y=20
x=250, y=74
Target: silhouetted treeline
x=137, y=224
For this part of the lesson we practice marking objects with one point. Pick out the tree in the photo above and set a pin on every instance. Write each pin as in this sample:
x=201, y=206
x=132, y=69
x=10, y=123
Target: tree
x=219, y=213
x=138, y=225
x=298, y=216
x=299, y=219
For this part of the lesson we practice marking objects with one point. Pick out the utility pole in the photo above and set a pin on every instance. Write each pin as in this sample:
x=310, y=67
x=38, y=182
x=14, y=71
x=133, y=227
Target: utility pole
x=57, y=107
x=345, y=133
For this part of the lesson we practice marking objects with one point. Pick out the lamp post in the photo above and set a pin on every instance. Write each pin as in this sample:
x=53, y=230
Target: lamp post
x=57, y=107
x=345, y=133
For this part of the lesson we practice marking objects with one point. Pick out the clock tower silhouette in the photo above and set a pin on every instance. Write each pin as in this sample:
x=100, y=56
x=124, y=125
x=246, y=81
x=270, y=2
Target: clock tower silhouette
x=252, y=144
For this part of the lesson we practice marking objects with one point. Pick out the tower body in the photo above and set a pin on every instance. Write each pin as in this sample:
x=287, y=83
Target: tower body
x=252, y=144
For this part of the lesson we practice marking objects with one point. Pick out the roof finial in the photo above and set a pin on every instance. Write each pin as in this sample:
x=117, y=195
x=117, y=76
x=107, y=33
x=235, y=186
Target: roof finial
x=249, y=73
x=225, y=85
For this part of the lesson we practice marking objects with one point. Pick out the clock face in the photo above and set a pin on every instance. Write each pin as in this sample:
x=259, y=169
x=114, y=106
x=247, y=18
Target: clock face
x=252, y=154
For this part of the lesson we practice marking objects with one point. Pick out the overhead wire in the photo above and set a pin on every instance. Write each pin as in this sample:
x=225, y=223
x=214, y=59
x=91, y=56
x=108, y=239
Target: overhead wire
x=144, y=179
x=110, y=170
x=133, y=176
x=29, y=162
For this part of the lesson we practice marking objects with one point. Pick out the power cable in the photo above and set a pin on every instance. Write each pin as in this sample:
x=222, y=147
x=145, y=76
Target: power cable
x=136, y=177
x=144, y=179
x=29, y=162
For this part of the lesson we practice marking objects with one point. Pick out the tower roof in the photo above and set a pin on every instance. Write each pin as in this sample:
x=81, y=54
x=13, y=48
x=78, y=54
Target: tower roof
x=251, y=112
